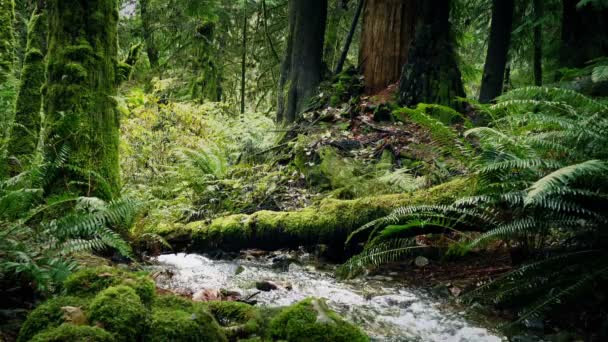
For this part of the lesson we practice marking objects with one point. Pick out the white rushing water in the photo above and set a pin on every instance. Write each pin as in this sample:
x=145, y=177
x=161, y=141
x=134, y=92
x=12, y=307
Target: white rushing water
x=383, y=308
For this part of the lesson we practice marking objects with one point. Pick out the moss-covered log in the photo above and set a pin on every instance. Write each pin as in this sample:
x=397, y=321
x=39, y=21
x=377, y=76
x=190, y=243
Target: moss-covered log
x=24, y=136
x=329, y=223
x=79, y=108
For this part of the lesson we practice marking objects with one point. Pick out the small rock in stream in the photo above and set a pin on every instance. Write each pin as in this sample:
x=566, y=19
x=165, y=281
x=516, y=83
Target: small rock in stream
x=421, y=261
x=206, y=295
x=269, y=285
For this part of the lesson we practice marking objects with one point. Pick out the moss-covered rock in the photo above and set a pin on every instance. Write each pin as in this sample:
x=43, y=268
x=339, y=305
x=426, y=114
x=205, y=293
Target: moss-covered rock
x=329, y=222
x=311, y=320
x=179, y=325
x=69, y=332
x=119, y=310
x=89, y=281
x=238, y=319
x=48, y=315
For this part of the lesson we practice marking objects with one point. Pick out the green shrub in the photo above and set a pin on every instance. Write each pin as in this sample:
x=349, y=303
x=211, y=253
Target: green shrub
x=120, y=311
x=69, y=332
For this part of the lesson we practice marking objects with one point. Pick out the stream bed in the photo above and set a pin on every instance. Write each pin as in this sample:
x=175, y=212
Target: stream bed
x=382, y=307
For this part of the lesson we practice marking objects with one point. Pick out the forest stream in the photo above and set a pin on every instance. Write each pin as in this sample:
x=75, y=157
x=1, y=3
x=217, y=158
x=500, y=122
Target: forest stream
x=381, y=306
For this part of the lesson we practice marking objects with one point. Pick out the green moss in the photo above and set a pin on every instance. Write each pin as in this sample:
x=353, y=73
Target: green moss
x=7, y=38
x=88, y=281
x=246, y=318
x=179, y=325
x=173, y=302
x=329, y=222
x=311, y=320
x=120, y=311
x=78, y=104
x=47, y=315
x=69, y=332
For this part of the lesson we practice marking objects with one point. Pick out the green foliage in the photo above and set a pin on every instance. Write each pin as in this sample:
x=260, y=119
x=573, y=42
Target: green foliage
x=241, y=319
x=40, y=232
x=120, y=311
x=542, y=186
x=311, y=320
x=70, y=332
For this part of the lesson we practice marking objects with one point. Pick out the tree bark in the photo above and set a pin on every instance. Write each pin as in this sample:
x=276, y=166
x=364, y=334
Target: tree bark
x=302, y=69
x=24, y=136
x=146, y=27
x=7, y=39
x=538, y=42
x=431, y=74
x=388, y=30
x=349, y=38
x=584, y=34
x=498, y=48
x=81, y=80
x=244, y=60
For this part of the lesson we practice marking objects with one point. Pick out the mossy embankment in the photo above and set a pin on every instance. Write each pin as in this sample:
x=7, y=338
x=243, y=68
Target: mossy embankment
x=108, y=304
x=328, y=222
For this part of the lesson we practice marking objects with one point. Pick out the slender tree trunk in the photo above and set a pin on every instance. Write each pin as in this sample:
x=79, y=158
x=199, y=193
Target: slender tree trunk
x=431, y=74
x=498, y=48
x=349, y=38
x=79, y=110
x=267, y=33
x=25, y=133
x=538, y=42
x=244, y=60
x=302, y=69
x=146, y=25
x=584, y=34
x=388, y=30
x=7, y=39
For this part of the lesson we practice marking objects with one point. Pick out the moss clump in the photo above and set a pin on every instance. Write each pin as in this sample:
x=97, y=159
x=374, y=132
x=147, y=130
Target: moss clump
x=120, y=311
x=47, y=315
x=311, y=320
x=179, y=325
x=174, y=303
x=70, y=332
x=240, y=319
x=89, y=281
x=329, y=222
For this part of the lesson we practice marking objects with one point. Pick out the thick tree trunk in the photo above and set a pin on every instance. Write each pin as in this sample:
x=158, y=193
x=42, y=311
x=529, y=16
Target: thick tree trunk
x=302, y=70
x=388, y=30
x=349, y=38
x=538, y=43
x=7, y=39
x=584, y=34
x=81, y=80
x=498, y=48
x=146, y=25
x=24, y=136
x=431, y=74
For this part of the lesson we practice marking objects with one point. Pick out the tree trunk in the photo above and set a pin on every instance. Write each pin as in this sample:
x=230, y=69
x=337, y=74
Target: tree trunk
x=388, y=30
x=81, y=80
x=7, y=39
x=24, y=136
x=302, y=69
x=243, y=60
x=584, y=34
x=349, y=38
x=498, y=48
x=538, y=43
x=146, y=25
x=431, y=74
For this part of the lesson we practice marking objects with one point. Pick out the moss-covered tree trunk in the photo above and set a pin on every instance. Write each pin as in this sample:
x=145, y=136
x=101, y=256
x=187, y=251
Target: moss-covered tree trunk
x=498, y=48
x=431, y=73
x=302, y=69
x=7, y=39
x=146, y=28
x=388, y=30
x=79, y=109
x=584, y=33
x=26, y=128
